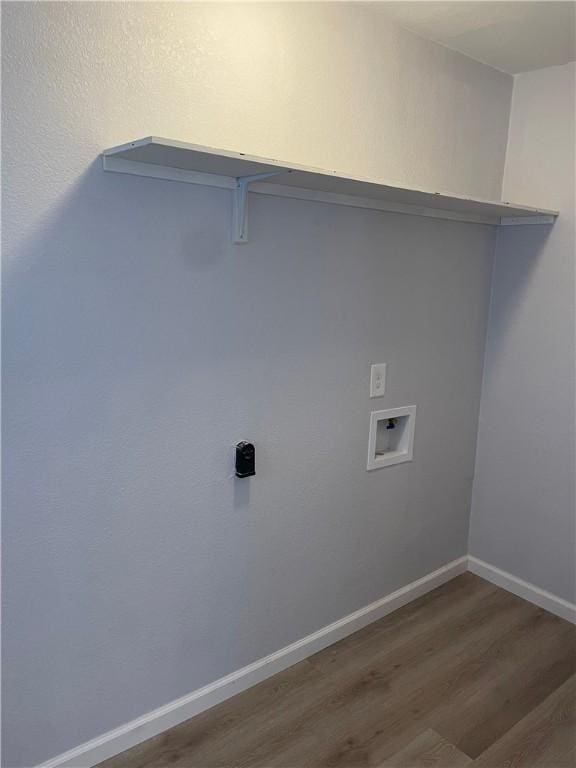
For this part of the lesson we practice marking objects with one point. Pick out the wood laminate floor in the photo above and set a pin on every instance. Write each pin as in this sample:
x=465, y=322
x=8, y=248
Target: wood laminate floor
x=467, y=675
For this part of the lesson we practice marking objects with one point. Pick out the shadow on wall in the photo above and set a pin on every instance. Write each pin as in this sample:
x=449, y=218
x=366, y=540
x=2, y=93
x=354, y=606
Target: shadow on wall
x=103, y=343
x=517, y=256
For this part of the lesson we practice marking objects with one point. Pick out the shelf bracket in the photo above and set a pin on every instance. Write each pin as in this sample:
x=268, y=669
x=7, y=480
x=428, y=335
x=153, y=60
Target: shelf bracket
x=240, y=204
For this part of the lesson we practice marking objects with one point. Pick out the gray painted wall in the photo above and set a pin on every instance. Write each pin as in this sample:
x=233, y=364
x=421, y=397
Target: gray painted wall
x=524, y=509
x=139, y=346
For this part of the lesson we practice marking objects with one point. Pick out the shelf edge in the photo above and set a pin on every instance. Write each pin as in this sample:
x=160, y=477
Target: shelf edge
x=169, y=173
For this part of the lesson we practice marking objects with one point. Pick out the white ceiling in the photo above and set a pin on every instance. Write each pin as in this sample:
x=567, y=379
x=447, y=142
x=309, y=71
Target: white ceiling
x=513, y=35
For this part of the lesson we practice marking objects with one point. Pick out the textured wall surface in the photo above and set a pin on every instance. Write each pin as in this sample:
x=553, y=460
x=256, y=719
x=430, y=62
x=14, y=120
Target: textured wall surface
x=330, y=85
x=139, y=346
x=524, y=507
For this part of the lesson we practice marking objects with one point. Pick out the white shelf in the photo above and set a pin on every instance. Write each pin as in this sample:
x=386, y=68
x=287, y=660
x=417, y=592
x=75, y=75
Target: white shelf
x=178, y=161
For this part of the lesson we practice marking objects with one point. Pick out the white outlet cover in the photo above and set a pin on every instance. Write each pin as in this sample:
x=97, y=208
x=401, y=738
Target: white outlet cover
x=377, y=380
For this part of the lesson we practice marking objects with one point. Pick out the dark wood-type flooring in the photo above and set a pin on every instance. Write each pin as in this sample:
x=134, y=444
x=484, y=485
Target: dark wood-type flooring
x=467, y=675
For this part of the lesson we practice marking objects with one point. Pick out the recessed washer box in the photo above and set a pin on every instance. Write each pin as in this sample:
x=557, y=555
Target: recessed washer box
x=391, y=436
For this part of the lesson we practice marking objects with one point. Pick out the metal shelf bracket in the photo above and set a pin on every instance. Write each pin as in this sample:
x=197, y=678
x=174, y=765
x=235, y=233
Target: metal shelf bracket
x=240, y=204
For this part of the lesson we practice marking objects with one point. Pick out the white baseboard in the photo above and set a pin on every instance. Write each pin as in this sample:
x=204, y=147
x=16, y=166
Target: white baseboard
x=523, y=589
x=112, y=743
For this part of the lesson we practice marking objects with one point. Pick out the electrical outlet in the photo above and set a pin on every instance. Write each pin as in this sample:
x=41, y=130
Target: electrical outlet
x=378, y=380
